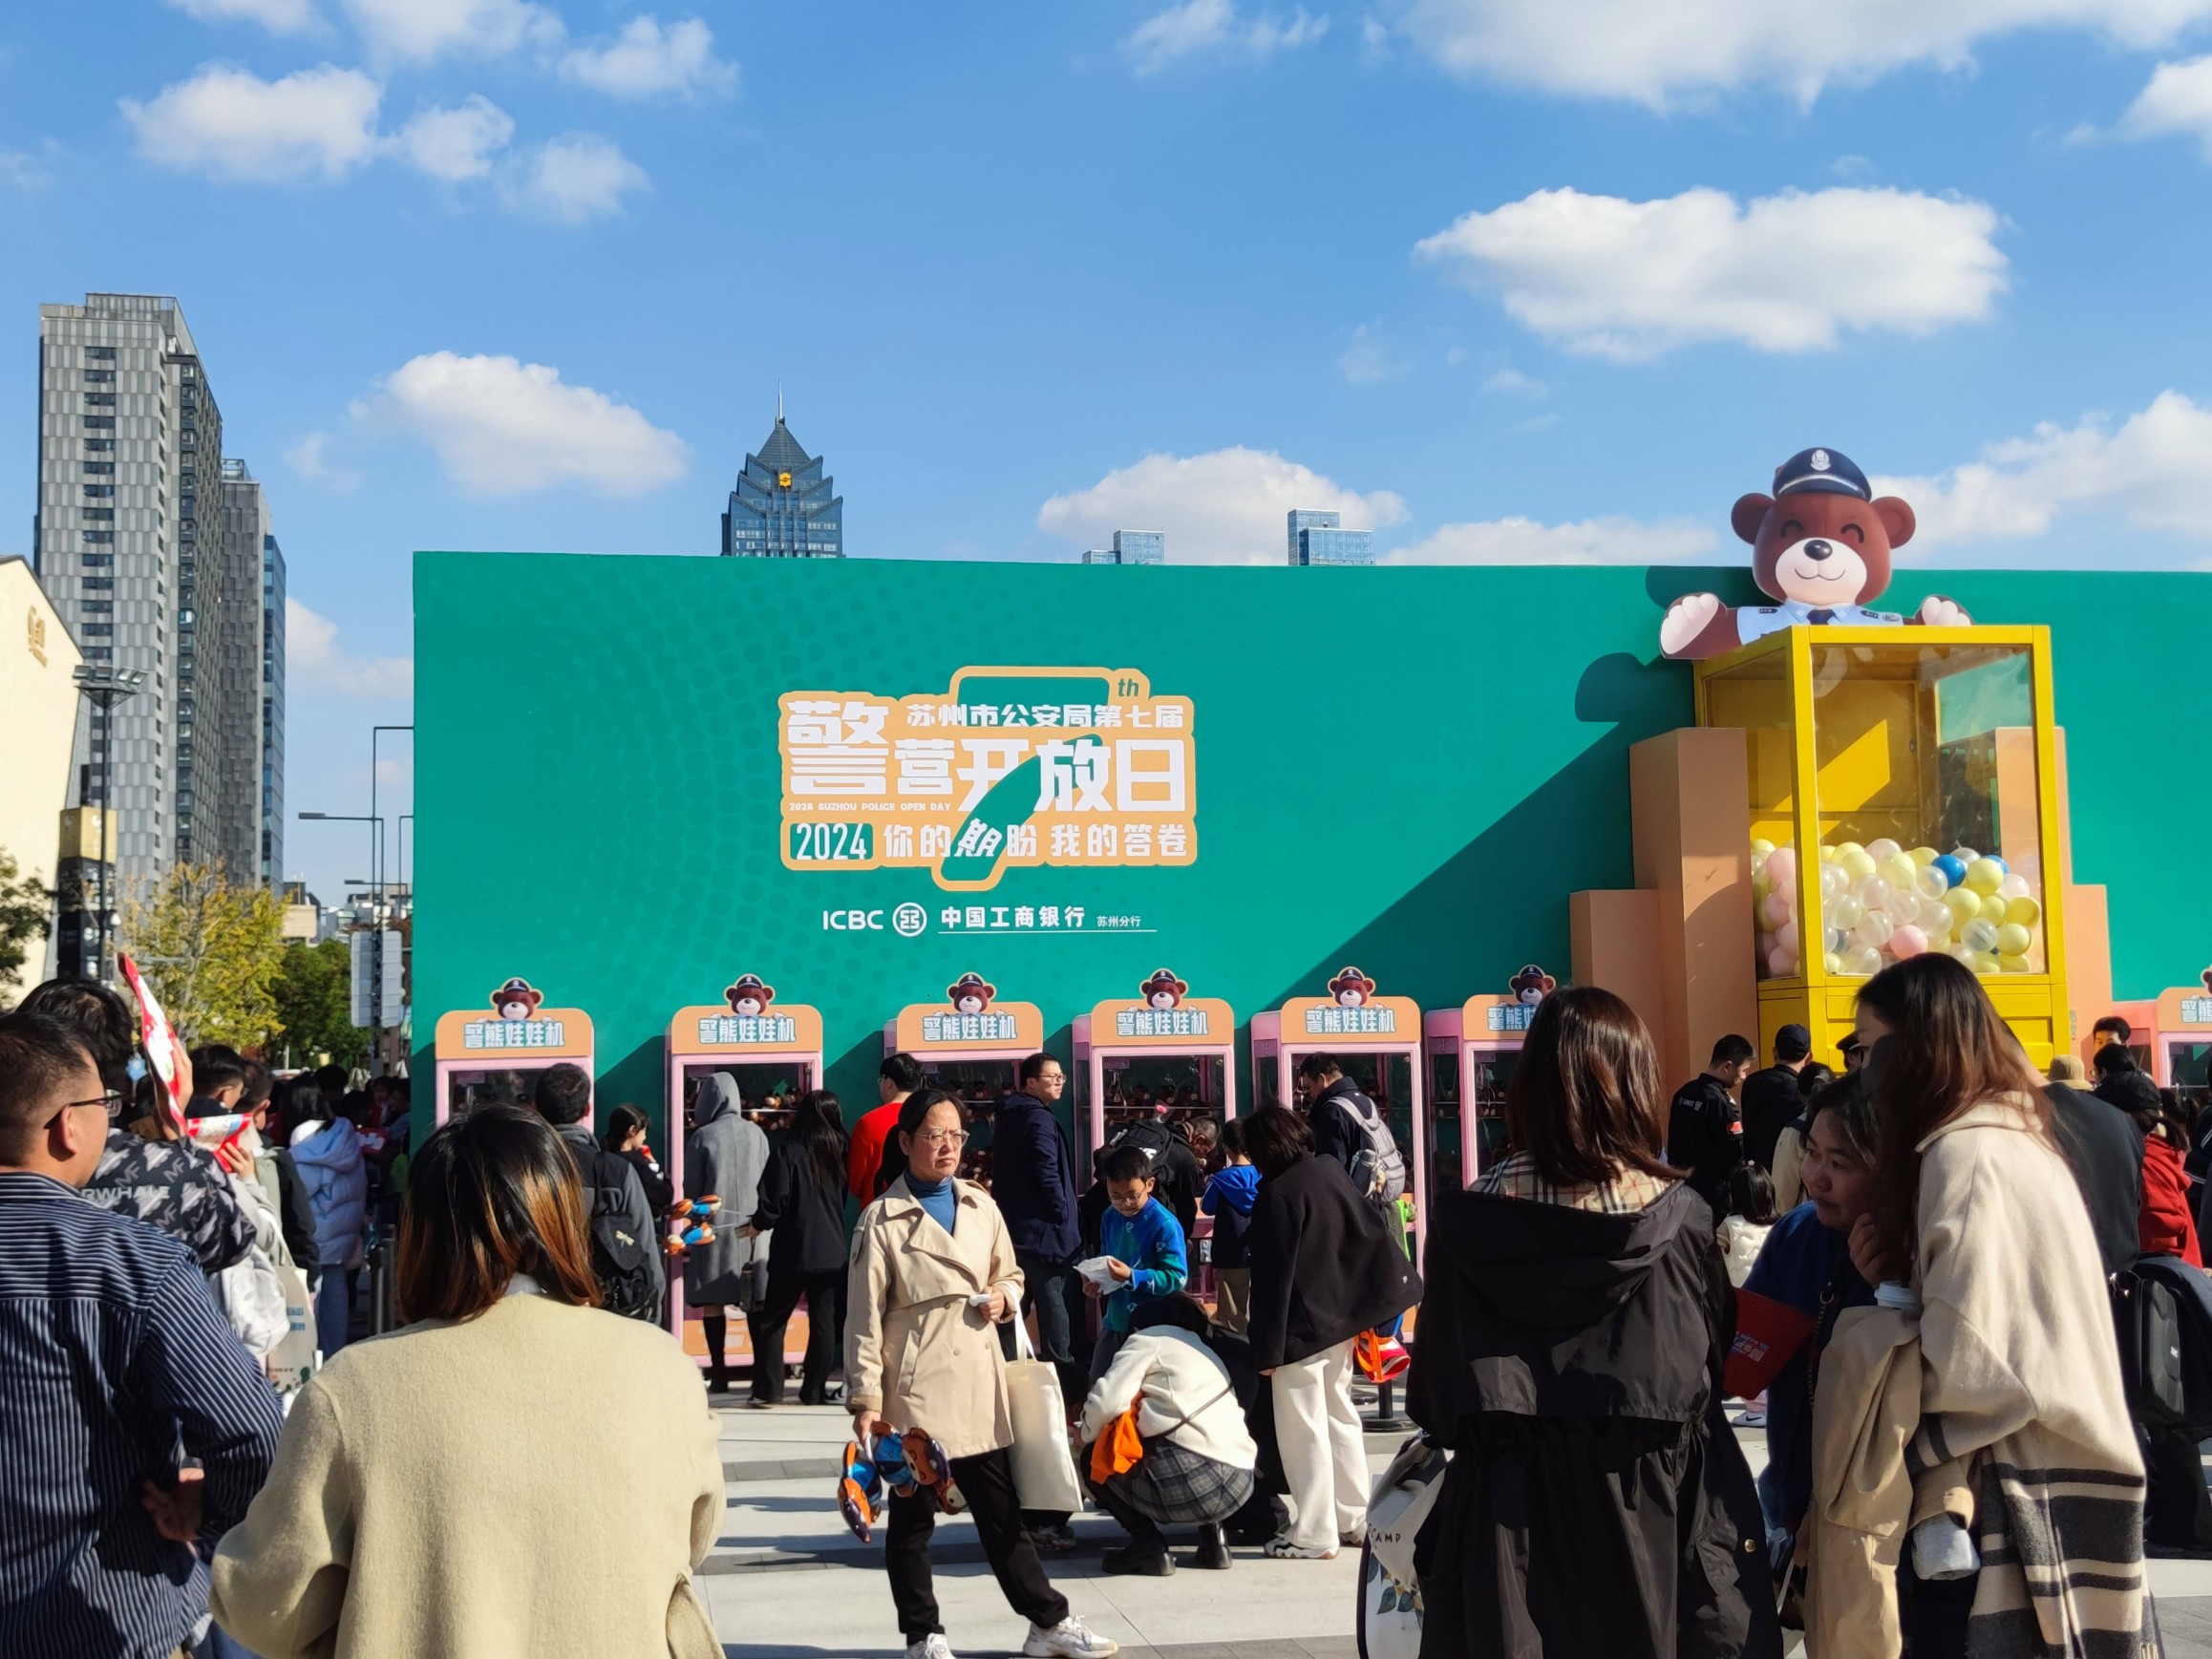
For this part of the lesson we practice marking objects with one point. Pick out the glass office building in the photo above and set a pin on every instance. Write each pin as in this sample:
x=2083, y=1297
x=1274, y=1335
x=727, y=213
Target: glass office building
x=1319, y=538
x=786, y=506
x=1131, y=547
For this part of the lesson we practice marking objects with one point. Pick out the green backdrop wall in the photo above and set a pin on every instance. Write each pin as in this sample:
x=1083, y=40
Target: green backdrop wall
x=1406, y=768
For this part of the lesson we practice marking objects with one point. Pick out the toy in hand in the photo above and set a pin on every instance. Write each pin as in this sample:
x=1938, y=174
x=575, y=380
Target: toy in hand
x=690, y=1223
x=891, y=1465
x=1821, y=545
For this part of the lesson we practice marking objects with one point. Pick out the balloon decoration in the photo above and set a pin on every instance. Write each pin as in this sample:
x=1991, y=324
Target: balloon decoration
x=1882, y=902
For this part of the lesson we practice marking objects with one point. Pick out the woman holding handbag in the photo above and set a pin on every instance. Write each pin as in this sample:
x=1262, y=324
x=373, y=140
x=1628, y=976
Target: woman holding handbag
x=933, y=1272
x=1168, y=1439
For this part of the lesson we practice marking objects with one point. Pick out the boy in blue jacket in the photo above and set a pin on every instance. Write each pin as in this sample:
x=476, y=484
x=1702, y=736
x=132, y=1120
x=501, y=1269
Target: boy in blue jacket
x=1143, y=1247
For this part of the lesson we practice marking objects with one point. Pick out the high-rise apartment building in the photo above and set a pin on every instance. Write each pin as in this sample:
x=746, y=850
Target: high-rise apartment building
x=1319, y=538
x=272, y=714
x=153, y=557
x=785, y=505
x=1131, y=547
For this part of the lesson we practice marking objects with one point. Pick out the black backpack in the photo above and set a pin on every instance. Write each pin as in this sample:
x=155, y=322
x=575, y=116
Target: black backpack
x=622, y=1261
x=2162, y=1310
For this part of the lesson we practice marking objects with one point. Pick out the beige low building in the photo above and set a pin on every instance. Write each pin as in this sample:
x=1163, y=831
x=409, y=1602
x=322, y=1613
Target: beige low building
x=37, y=738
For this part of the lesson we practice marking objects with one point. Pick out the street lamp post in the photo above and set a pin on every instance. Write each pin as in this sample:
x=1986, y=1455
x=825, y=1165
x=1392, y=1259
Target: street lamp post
x=374, y=733
x=105, y=687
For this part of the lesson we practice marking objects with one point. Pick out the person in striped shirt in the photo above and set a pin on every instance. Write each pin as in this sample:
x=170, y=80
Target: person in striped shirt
x=112, y=1356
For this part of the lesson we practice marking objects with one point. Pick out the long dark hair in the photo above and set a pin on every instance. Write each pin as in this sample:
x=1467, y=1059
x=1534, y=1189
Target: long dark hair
x=1947, y=1050
x=618, y=1123
x=817, y=1129
x=1585, y=1100
x=489, y=1196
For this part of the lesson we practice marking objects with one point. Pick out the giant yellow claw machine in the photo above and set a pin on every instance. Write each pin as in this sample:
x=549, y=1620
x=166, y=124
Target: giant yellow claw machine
x=1903, y=797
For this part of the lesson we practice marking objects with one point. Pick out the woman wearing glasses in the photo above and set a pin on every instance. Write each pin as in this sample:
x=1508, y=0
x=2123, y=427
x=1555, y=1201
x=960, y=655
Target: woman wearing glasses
x=933, y=1272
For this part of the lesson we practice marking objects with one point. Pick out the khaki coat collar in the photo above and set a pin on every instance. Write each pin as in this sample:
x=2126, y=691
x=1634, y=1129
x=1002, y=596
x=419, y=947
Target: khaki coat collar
x=914, y=1228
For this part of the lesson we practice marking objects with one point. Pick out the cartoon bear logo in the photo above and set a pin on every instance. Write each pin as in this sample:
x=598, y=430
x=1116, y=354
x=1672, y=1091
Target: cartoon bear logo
x=1821, y=546
x=970, y=994
x=749, y=996
x=1351, y=988
x=1531, y=985
x=1163, y=990
x=515, y=1000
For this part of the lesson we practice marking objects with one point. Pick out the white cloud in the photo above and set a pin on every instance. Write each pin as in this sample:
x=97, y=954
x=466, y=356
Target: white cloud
x=1513, y=383
x=1213, y=28
x=1631, y=279
x=1230, y=506
x=420, y=30
x=310, y=460
x=1368, y=359
x=576, y=176
x=315, y=661
x=1588, y=541
x=227, y=122
x=20, y=170
x=2150, y=470
x=648, y=59
x=1657, y=54
x=277, y=16
x=455, y=144
x=2178, y=101
x=501, y=427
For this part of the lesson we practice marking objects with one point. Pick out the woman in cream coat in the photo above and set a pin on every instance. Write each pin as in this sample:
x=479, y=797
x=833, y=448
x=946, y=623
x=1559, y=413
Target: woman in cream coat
x=932, y=1273
x=452, y=1491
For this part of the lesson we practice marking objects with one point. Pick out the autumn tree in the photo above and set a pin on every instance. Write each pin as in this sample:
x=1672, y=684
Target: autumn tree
x=314, y=999
x=211, y=950
x=23, y=915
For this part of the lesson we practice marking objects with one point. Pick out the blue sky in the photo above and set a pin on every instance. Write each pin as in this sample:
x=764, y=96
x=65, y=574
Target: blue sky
x=1503, y=279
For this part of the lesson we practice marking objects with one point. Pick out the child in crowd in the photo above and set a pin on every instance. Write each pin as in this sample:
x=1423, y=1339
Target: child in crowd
x=1143, y=1247
x=1228, y=1199
x=1749, y=1199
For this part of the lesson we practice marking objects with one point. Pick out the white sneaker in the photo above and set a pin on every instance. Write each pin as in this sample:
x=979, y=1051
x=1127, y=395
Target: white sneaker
x=1069, y=1639
x=930, y=1647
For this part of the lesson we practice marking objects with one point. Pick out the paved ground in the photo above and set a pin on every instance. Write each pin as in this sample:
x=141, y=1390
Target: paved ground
x=786, y=1578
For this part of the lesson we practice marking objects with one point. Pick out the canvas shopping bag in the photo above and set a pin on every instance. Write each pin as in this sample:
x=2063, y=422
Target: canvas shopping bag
x=1044, y=1468
x=292, y=1361
x=1390, y=1594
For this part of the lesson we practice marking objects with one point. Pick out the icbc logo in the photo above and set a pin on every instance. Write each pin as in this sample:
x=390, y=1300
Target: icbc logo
x=853, y=920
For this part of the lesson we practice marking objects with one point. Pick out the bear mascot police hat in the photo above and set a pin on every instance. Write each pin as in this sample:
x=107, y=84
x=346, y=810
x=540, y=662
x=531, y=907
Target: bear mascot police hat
x=1531, y=985
x=1352, y=979
x=1821, y=546
x=748, y=988
x=970, y=985
x=515, y=990
x=1164, y=982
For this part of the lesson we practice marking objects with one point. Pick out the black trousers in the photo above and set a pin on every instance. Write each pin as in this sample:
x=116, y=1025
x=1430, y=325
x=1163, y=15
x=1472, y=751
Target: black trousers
x=987, y=1481
x=1055, y=1290
x=767, y=1326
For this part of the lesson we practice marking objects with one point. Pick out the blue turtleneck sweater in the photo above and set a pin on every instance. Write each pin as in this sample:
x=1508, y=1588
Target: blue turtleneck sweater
x=937, y=1198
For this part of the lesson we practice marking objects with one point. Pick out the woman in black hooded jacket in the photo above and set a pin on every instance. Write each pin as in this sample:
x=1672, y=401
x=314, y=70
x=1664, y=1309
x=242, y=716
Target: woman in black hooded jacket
x=1569, y=1352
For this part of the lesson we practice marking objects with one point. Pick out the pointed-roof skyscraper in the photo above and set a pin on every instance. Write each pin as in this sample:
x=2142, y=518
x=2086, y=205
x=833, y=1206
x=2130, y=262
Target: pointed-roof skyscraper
x=785, y=505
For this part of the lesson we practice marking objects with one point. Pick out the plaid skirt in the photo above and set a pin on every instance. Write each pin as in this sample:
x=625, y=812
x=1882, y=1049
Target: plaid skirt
x=1178, y=1487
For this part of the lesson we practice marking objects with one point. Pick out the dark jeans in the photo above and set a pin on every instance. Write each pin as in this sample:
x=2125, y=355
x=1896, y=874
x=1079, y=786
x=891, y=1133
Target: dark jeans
x=1055, y=1290
x=767, y=1326
x=1933, y=1611
x=987, y=1482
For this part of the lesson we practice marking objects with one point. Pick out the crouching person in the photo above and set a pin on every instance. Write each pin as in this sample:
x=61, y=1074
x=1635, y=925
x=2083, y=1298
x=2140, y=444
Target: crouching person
x=1168, y=1441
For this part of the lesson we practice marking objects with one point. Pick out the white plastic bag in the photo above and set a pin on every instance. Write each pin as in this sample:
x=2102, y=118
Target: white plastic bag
x=1044, y=1466
x=253, y=1302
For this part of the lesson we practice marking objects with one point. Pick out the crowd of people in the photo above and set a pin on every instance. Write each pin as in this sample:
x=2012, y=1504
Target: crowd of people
x=1955, y=1467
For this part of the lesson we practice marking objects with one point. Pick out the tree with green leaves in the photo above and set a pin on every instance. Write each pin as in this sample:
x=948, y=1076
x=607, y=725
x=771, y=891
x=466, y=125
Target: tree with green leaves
x=211, y=948
x=315, y=998
x=24, y=909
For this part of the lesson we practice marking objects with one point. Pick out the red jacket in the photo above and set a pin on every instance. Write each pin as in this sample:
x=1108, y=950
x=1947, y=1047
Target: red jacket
x=2165, y=1227
x=864, y=1150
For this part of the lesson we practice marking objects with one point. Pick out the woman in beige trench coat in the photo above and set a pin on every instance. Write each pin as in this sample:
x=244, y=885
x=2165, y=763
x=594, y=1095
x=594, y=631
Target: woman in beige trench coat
x=451, y=1490
x=932, y=1273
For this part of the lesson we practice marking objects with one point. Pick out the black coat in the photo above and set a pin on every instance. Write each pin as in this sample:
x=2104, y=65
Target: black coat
x=1032, y=1179
x=803, y=1216
x=1771, y=1103
x=1336, y=1127
x=659, y=1190
x=1597, y=1502
x=1326, y=1265
x=1704, y=1136
x=2105, y=1149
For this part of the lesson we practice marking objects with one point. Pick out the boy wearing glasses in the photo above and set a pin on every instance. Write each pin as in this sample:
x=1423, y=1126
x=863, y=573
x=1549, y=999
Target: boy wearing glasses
x=1143, y=1247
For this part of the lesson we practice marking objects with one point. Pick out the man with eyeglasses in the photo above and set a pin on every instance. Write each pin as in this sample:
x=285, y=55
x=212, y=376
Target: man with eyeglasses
x=112, y=1355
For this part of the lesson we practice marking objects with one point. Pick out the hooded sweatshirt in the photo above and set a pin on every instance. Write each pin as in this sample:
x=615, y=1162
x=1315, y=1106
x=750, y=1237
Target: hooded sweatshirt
x=725, y=1156
x=1229, y=1200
